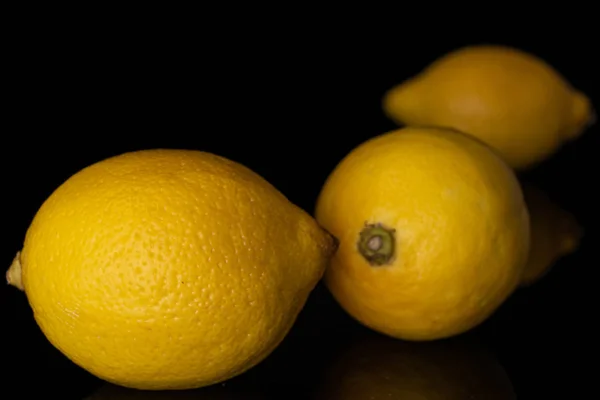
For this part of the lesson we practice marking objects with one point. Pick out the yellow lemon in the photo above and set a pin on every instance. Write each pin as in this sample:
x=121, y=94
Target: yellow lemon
x=555, y=233
x=510, y=99
x=168, y=269
x=433, y=231
x=380, y=368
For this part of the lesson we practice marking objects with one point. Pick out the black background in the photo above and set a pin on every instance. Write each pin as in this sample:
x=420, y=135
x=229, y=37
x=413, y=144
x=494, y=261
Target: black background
x=289, y=105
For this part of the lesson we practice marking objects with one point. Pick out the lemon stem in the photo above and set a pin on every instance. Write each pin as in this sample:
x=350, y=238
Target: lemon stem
x=13, y=275
x=377, y=244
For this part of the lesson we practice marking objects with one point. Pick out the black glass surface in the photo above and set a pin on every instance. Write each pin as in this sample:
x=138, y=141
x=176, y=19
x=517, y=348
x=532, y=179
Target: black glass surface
x=291, y=112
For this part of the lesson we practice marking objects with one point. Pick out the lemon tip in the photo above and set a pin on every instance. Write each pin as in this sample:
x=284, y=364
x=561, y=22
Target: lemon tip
x=13, y=275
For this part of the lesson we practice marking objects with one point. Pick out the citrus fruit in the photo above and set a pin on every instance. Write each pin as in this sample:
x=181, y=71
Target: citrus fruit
x=433, y=232
x=512, y=100
x=168, y=269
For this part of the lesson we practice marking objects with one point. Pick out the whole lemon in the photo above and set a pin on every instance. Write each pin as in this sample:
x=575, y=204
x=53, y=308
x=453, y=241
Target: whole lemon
x=168, y=269
x=510, y=99
x=433, y=231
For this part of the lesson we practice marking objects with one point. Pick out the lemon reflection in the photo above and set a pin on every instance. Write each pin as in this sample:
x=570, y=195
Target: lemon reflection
x=555, y=233
x=217, y=392
x=377, y=367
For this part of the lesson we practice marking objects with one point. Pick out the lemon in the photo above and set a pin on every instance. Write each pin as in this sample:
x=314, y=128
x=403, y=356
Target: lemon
x=380, y=368
x=168, y=269
x=433, y=232
x=510, y=99
x=555, y=233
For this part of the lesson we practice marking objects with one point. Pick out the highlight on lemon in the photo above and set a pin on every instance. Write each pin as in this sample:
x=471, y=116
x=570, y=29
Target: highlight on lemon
x=512, y=100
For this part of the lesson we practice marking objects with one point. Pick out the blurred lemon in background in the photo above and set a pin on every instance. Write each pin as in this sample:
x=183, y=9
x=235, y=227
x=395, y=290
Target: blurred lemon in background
x=508, y=98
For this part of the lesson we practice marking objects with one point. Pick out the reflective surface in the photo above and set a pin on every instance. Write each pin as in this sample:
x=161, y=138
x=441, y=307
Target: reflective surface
x=541, y=342
x=523, y=350
x=376, y=367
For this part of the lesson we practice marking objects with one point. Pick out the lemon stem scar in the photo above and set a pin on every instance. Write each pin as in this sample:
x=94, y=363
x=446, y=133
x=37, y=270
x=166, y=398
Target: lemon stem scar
x=13, y=275
x=377, y=244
